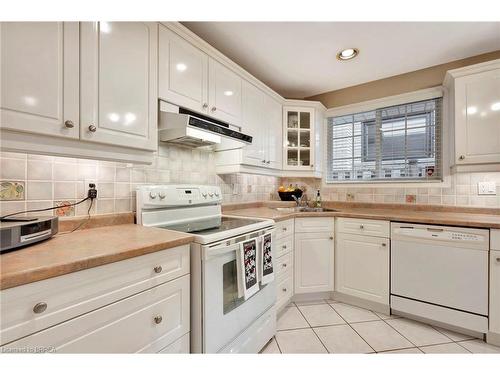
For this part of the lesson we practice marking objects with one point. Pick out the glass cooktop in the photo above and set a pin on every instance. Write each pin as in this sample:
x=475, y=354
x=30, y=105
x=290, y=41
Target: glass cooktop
x=228, y=223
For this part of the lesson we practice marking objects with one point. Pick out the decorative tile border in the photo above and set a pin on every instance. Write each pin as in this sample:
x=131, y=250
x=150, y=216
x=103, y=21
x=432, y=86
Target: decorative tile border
x=12, y=191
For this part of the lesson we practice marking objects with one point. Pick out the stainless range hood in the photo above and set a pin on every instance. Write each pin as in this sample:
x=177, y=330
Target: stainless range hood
x=181, y=126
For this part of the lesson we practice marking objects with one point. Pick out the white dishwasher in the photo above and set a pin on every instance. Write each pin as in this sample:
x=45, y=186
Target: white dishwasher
x=441, y=273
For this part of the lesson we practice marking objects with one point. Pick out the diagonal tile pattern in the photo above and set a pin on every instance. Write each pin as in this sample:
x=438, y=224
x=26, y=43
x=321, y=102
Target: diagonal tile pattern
x=327, y=326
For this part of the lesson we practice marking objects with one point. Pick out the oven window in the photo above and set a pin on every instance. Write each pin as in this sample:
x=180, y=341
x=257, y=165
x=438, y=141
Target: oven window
x=230, y=286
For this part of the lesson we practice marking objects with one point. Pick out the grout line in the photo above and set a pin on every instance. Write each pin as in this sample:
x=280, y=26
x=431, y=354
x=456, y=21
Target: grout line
x=324, y=346
x=458, y=343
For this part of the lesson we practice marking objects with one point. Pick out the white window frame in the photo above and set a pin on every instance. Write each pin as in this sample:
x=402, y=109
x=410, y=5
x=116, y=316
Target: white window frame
x=371, y=105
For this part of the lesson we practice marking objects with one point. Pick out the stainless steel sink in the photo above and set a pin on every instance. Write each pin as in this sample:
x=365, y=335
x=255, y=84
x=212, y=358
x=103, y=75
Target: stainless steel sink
x=304, y=209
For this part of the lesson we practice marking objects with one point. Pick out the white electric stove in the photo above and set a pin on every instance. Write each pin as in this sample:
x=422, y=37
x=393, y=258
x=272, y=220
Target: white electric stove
x=220, y=321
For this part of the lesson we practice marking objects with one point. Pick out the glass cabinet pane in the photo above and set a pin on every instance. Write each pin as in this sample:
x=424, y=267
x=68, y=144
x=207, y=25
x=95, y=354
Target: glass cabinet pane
x=293, y=138
x=305, y=120
x=293, y=120
x=292, y=157
x=305, y=157
x=305, y=139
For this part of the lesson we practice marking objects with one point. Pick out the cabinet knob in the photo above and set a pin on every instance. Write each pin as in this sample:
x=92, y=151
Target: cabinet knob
x=284, y=289
x=92, y=128
x=263, y=161
x=384, y=245
x=158, y=269
x=361, y=226
x=205, y=105
x=284, y=265
x=69, y=124
x=331, y=237
x=284, y=229
x=461, y=157
x=268, y=162
x=498, y=259
x=312, y=165
x=40, y=307
x=284, y=247
x=213, y=109
x=157, y=319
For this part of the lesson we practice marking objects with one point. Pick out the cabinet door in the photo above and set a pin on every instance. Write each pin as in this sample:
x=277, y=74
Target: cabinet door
x=273, y=122
x=495, y=291
x=313, y=265
x=362, y=267
x=252, y=124
x=224, y=93
x=119, y=83
x=182, y=72
x=39, y=84
x=477, y=118
x=298, y=139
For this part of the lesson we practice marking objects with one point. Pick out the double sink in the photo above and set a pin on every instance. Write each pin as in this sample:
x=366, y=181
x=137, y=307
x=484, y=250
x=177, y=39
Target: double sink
x=305, y=209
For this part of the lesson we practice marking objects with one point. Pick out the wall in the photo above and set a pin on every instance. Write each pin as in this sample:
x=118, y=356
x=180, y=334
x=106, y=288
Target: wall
x=47, y=180
x=395, y=85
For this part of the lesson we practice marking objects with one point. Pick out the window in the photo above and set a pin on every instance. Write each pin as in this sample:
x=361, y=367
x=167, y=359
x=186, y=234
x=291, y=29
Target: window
x=401, y=142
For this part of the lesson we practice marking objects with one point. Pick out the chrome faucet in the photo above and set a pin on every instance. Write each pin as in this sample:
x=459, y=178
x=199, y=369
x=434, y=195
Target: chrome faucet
x=297, y=200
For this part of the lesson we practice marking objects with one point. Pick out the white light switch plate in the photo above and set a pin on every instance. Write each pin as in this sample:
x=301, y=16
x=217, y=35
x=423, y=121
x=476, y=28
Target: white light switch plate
x=486, y=188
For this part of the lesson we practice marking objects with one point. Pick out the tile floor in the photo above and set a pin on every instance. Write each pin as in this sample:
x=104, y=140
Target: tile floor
x=327, y=326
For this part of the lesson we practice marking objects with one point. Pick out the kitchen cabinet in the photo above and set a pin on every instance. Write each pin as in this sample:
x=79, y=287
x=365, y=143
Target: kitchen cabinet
x=362, y=261
x=40, y=78
x=298, y=133
x=144, y=299
x=314, y=260
x=284, y=245
x=182, y=72
x=494, y=313
x=475, y=112
x=119, y=83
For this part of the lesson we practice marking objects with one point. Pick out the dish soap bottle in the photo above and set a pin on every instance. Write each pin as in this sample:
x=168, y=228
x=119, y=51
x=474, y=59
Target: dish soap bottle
x=318, y=200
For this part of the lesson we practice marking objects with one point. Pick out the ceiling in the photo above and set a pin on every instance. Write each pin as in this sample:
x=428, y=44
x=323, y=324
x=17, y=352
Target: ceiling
x=297, y=59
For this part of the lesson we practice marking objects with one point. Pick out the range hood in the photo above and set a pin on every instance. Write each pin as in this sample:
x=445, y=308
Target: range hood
x=181, y=126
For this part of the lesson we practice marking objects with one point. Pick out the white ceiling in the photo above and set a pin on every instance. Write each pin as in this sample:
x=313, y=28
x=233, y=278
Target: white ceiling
x=297, y=59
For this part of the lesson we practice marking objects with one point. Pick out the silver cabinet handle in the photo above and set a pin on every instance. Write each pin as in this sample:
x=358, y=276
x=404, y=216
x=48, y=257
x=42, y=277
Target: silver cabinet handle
x=284, y=265
x=284, y=289
x=40, y=307
x=498, y=259
x=361, y=226
x=384, y=245
x=157, y=319
x=331, y=237
x=263, y=161
x=205, y=105
x=158, y=269
x=268, y=162
x=213, y=109
x=312, y=165
x=284, y=247
x=284, y=229
x=69, y=124
x=461, y=157
x=92, y=128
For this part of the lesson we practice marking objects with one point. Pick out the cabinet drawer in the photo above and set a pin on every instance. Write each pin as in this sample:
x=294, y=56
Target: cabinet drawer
x=284, y=264
x=284, y=246
x=495, y=291
x=127, y=326
x=495, y=239
x=284, y=292
x=77, y=293
x=284, y=228
x=180, y=346
x=377, y=228
x=314, y=224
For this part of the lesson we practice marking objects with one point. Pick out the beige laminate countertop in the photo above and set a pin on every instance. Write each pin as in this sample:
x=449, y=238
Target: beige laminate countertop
x=71, y=252
x=474, y=220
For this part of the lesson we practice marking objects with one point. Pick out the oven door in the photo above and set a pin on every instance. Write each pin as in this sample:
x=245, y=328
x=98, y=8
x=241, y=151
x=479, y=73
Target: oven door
x=226, y=315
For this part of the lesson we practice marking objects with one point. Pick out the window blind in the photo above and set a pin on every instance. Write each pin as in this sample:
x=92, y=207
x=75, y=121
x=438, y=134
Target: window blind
x=401, y=142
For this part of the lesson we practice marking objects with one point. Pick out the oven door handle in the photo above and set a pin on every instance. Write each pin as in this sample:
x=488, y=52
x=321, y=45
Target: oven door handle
x=222, y=249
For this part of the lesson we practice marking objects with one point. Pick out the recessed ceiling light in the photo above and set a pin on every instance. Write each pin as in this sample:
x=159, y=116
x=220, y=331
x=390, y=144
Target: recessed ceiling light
x=347, y=54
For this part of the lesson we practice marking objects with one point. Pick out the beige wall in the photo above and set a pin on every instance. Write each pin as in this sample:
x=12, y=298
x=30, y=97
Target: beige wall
x=419, y=79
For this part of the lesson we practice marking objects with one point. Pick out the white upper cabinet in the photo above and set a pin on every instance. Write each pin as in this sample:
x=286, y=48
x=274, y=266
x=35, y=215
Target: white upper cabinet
x=475, y=114
x=273, y=122
x=224, y=93
x=298, y=138
x=252, y=124
x=119, y=83
x=39, y=77
x=182, y=73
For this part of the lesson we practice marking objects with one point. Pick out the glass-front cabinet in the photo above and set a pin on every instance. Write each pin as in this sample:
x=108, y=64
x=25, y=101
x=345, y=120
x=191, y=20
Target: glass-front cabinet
x=298, y=142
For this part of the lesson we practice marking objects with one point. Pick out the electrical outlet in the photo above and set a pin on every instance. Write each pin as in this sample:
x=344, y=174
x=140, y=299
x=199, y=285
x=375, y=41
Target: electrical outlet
x=86, y=187
x=486, y=188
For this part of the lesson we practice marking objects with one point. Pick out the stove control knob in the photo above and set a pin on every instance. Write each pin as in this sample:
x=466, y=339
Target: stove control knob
x=211, y=194
x=161, y=194
x=217, y=194
x=204, y=195
x=152, y=194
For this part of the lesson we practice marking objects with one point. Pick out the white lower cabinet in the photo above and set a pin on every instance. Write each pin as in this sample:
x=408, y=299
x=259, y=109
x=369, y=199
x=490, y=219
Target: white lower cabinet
x=283, y=264
x=494, y=314
x=362, y=264
x=314, y=257
x=135, y=305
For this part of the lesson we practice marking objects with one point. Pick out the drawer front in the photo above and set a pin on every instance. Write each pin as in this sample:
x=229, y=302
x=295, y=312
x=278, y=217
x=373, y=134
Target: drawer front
x=495, y=239
x=284, y=228
x=180, y=346
x=377, y=228
x=314, y=224
x=284, y=246
x=285, y=292
x=77, y=293
x=284, y=265
x=127, y=326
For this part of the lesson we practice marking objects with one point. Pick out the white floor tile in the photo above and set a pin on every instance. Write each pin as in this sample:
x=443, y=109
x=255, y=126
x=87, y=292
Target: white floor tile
x=321, y=315
x=271, y=348
x=342, y=339
x=448, y=348
x=478, y=346
x=291, y=318
x=418, y=333
x=381, y=336
x=299, y=341
x=403, y=351
x=354, y=314
x=455, y=336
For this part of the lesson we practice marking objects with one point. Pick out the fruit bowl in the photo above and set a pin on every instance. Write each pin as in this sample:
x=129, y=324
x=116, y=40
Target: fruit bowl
x=287, y=195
